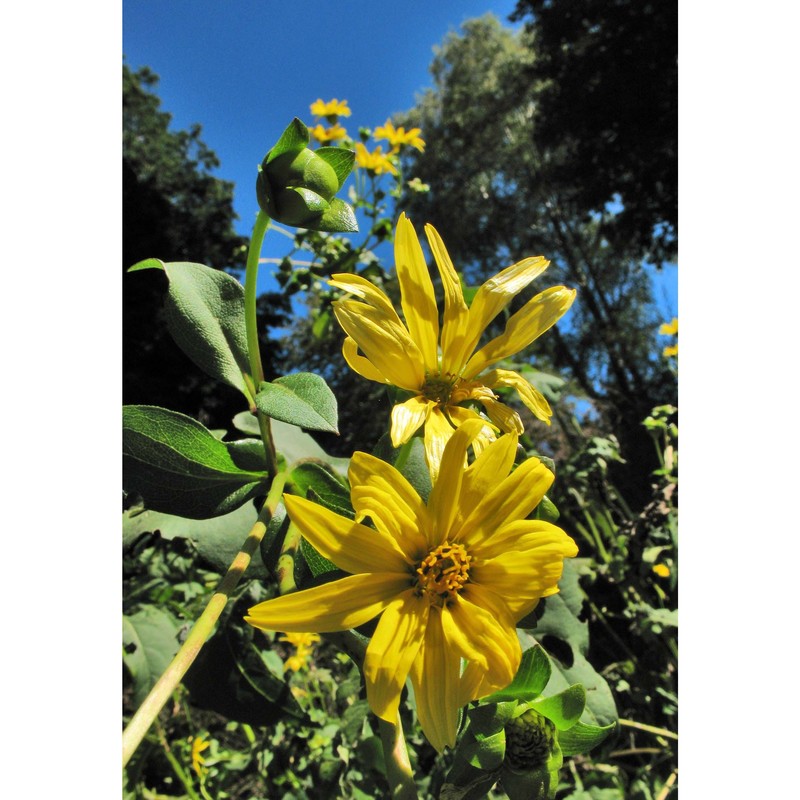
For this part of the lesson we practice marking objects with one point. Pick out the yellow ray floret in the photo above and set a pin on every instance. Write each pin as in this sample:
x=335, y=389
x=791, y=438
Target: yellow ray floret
x=449, y=578
x=445, y=369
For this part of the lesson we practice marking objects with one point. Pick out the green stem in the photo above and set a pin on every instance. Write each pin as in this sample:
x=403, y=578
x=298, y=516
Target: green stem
x=203, y=628
x=176, y=767
x=251, y=329
x=398, y=768
x=640, y=726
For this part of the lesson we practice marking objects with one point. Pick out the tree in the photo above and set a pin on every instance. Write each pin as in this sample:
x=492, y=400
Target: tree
x=173, y=209
x=609, y=78
x=497, y=195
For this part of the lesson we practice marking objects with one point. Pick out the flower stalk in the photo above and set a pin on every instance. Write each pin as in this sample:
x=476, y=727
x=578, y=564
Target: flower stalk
x=203, y=628
x=402, y=785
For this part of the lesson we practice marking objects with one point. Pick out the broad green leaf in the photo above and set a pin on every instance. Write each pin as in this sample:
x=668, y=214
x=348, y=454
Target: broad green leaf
x=409, y=460
x=178, y=466
x=565, y=638
x=295, y=445
x=150, y=641
x=563, y=709
x=205, y=314
x=310, y=477
x=530, y=680
x=339, y=159
x=294, y=139
x=302, y=399
x=218, y=540
x=546, y=510
x=248, y=454
x=317, y=564
x=247, y=423
x=581, y=738
x=230, y=678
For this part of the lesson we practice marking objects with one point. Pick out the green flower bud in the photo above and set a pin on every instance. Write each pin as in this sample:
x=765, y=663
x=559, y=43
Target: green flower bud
x=297, y=186
x=530, y=740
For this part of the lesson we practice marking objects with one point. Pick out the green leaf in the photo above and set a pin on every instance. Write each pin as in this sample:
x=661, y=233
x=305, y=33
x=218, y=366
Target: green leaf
x=581, y=738
x=295, y=445
x=340, y=160
x=530, y=680
x=302, y=399
x=546, y=510
x=247, y=423
x=339, y=218
x=178, y=466
x=218, y=540
x=205, y=314
x=309, y=477
x=565, y=638
x=319, y=565
x=409, y=460
x=248, y=454
x=294, y=139
x=563, y=709
x=321, y=325
x=150, y=641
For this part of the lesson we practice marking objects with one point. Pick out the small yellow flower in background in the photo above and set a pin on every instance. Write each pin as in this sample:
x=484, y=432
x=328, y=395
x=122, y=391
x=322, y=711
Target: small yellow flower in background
x=408, y=355
x=375, y=161
x=331, y=134
x=669, y=328
x=302, y=642
x=333, y=108
x=450, y=579
x=662, y=570
x=399, y=137
x=198, y=746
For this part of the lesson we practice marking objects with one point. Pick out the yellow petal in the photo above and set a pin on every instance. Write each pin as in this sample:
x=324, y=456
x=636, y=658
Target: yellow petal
x=408, y=417
x=384, y=342
x=380, y=492
x=529, y=395
x=455, y=324
x=437, y=433
x=335, y=606
x=392, y=650
x=495, y=295
x=416, y=289
x=473, y=684
x=537, y=315
x=435, y=678
x=443, y=500
x=363, y=366
x=367, y=291
x=479, y=626
x=351, y=546
x=504, y=417
x=511, y=499
x=490, y=467
x=523, y=534
x=460, y=415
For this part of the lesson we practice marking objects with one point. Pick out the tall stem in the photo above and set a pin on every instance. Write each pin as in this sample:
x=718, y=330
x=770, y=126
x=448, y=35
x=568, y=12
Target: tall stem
x=251, y=328
x=398, y=768
x=203, y=628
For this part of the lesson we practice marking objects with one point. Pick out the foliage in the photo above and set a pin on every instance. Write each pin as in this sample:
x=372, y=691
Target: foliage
x=608, y=107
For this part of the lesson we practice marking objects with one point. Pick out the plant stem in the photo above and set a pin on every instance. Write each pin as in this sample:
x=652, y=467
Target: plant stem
x=203, y=628
x=251, y=329
x=398, y=768
x=629, y=723
x=176, y=767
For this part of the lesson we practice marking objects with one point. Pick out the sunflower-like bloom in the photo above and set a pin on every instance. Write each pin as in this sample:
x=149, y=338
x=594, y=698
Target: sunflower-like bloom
x=332, y=134
x=449, y=578
x=302, y=642
x=399, y=137
x=443, y=375
x=333, y=108
x=199, y=744
x=376, y=161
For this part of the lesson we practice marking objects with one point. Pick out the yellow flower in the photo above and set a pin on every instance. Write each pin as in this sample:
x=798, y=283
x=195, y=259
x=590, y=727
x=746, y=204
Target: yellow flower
x=333, y=108
x=670, y=351
x=662, y=570
x=303, y=642
x=408, y=355
x=331, y=134
x=449, y=578
x=198, y=746
x=669, y=328
x=399, y=137
x=375, y=161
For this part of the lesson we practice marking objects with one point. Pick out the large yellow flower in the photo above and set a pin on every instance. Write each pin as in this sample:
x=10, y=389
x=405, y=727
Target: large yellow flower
x=449, y=578
x=442, y=378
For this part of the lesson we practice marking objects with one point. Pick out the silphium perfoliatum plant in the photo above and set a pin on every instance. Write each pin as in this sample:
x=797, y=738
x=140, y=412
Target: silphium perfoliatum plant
x=519, y=737
x=297, y=186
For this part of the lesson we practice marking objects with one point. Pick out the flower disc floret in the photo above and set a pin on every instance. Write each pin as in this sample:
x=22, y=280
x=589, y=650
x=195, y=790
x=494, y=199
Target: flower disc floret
x=443, y=573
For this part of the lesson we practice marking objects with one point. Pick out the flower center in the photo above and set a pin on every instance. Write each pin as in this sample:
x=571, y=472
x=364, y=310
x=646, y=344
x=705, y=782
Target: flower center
x=439, y=387
x=443, y=572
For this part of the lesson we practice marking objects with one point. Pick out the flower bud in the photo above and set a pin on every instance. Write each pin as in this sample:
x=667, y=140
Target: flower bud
x=297, y=186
